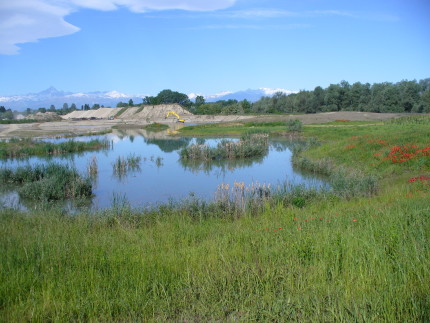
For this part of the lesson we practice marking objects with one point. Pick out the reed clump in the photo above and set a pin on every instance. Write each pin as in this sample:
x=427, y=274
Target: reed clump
x=92, y=167
x=248, y=146
x=47, y=182
x=122, y=165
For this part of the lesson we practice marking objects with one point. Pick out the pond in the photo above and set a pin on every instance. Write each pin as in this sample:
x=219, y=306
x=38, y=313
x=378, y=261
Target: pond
x=161, y=176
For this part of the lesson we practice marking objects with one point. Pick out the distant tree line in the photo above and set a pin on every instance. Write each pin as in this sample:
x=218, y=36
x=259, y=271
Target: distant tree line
x=404, y=96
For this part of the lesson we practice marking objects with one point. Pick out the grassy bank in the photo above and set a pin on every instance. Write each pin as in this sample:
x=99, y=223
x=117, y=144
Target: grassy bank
x=334, y=258
x=15, y=148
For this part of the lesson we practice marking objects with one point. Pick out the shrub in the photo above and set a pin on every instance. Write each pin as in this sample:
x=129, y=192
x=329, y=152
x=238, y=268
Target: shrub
x=294, y=125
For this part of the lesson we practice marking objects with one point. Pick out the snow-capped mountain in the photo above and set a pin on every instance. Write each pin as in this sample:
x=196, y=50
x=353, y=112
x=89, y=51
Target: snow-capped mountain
x=250, y=95
x=111, y=98
x=58, y=98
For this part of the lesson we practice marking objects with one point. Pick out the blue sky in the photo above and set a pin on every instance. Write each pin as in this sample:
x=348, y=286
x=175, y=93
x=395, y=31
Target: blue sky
x=209, y=46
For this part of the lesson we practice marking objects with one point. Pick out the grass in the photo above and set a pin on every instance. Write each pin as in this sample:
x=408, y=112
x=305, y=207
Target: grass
x=312, y=257
x=156, y=127
x=18, y=148
x=47, y=182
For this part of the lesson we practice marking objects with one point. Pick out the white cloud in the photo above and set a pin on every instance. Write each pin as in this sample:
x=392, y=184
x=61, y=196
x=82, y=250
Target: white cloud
x=23, y=21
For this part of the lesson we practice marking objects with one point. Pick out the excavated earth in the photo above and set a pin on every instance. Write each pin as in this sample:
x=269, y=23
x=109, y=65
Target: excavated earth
x=103, y=119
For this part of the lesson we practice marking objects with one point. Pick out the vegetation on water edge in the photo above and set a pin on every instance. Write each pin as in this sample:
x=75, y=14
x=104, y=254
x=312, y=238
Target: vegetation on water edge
x=156, y=127
x=248, y=256
x=248, y=146
x=15, y=147
x=47, y=182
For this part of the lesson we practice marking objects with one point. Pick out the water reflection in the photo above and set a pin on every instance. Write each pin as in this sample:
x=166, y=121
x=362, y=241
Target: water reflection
x=169, y=145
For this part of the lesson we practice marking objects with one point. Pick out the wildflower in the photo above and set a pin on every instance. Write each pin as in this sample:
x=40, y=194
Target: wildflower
x=275, y=230
x=299, y=228
x=320, y=217
x=295, y=219
x=354, y=220
x=280, y=228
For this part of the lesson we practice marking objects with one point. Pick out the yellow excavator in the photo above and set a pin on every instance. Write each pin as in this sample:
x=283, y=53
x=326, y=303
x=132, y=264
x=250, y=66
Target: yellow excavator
x=176, y=115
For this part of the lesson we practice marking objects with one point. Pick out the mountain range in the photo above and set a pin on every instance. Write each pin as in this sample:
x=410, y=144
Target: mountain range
x=52, y=96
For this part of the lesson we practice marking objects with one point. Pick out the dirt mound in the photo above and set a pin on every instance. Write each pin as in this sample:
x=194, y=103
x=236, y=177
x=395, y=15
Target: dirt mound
x=47, y=116
x=148, y=112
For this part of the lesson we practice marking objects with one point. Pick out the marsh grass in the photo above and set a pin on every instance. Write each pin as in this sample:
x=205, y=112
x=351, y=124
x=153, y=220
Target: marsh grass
x=254, y=145
x=18, y=148
x=47, y=182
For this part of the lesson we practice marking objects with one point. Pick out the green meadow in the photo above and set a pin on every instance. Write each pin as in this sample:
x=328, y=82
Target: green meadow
x=357, y=253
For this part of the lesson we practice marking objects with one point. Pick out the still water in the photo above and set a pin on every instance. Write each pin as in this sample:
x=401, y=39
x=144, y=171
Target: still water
x=162, y=176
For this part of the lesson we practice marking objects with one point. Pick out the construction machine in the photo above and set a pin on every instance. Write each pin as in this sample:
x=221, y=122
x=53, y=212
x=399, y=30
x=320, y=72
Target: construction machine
x=176, y=115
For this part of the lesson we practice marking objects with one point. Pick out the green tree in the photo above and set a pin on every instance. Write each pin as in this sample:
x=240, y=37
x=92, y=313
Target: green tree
x=246, y=106
x=199, y=100
x=409, y=92
x=169, y=96
x=130, y=103
x=2, y=109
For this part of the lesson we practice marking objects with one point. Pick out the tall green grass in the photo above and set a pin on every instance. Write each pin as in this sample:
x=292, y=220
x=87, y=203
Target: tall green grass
x=330, y=261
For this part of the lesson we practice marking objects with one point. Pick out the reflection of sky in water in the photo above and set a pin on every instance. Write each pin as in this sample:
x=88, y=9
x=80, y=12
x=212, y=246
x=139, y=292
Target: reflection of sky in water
x=169, y=178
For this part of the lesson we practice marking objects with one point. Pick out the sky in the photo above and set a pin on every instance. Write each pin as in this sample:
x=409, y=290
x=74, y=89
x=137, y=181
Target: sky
x=209, y=46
